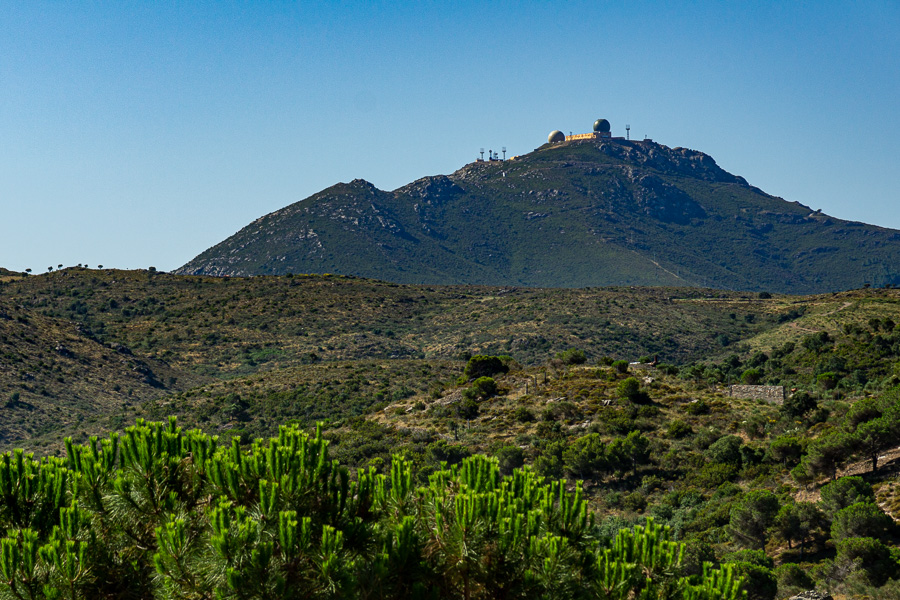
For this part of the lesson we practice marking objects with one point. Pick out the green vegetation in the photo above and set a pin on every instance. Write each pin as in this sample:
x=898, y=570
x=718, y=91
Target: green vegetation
x=430, y=381
x=162, y=513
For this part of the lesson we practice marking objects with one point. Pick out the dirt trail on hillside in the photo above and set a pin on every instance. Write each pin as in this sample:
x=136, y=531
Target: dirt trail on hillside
x=888, y=468
x=793, y=325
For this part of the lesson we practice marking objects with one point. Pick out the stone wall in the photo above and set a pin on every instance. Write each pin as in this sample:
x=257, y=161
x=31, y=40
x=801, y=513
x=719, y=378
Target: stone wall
x=774, y=394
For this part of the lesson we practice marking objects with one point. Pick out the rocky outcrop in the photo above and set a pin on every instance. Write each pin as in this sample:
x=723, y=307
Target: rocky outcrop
x=812, y=595
x=665, y=202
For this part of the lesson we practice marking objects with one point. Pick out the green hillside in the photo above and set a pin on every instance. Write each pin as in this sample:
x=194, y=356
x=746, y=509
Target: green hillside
x=132, y=335
x=416, y=382
x=585, y=213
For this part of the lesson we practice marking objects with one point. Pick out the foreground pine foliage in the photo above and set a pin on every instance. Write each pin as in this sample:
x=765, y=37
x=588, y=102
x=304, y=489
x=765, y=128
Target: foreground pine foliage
x=159, y=512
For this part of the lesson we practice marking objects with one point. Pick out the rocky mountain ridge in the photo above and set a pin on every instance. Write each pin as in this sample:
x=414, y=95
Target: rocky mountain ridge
x=583, y=213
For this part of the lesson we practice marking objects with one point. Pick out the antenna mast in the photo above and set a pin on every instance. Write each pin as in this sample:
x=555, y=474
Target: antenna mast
x=504, y=152
x=482, y=154
x=627, y=132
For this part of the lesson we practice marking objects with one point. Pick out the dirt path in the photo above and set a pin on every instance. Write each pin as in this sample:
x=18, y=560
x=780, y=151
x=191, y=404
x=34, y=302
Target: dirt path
x=840, y=308
x=888, y=468
x=794, y=325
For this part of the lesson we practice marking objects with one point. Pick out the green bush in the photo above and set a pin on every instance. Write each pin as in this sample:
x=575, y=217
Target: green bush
x=747, y=555
x=751, y=377
x=786, y=449
x=678, y=429
x=440, y=451
x=863, y=519
x=635, y=502
x=484, y=387
x=510, y=458
x=621, y=366
x=550, y=462
x=844, y=492
x=827, y=381
x=761, y=583
x=524, y=415
x=751, y=518
x=586, y=457
x=798, y=404
x=817, y=342
x=484, y=366
x=572, y=357
x=712, y=475
x=792, y=578
x=700, y=407
x=467, y=408
x=868, y=555
x=629, y=389
x=726, y=450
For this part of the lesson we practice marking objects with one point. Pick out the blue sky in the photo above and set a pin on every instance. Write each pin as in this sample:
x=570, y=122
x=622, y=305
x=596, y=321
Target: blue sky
x=139, y=134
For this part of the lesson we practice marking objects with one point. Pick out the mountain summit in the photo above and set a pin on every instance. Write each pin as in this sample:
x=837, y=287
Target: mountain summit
x=579, y=212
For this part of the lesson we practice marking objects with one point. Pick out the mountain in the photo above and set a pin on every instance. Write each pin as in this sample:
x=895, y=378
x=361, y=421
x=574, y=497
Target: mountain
x=582, y=213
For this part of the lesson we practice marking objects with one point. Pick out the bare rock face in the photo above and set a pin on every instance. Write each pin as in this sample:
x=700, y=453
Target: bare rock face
x=666, y=202
x=812, y=595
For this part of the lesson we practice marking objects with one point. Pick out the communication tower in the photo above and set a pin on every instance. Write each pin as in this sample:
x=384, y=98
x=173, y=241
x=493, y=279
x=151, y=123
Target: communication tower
x=627, y=132
x=482, y=154
x=504, y=152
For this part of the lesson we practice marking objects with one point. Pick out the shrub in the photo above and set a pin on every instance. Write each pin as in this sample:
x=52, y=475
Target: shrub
x=484, y=366
x=550, y=463
x=751, y=377
x=868, y=555
x=784, y=350
x=725, y=450
x=758, y=359
x=863, y=519
x=484, y=387
x=572, y=357
x=630, y=389
x=760, y=582
x=827, y=381
x=798, y=404
x=467, y=408
x=634, y=501
x=700, y=407
x=747, y=555
x=549, y=430
x=510, y=458
x=678, y=429
x=524, y=415
x=792, y=578
x=586, y=458
x=786, y=449
x=440, y=451
x=621, y=366
x=799, y=522
x=712, y=475
x=752, y=516
x=844, y=492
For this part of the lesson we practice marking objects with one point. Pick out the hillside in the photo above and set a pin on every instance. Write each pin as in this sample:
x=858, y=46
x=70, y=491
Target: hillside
x=575, y=214
x=388, y=371
x=55, y=375
x=133, y=335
